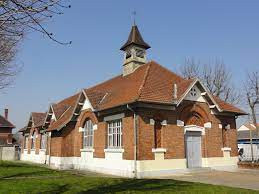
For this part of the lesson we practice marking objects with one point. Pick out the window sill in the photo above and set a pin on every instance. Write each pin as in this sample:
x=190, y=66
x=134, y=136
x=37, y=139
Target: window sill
x=25, y=149
x=114, y=150
x=226, y=149
x=42, y=150
x=87, y=150
x=33, y=150
x=158, y=150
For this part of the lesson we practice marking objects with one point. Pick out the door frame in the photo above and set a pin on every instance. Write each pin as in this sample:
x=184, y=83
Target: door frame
x=193, y=128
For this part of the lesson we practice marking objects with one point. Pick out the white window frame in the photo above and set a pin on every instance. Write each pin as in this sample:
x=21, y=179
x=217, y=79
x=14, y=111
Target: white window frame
x=43, y=141
x=88, y=134
x=114, y=134
x=33, y=140
x=26, y=142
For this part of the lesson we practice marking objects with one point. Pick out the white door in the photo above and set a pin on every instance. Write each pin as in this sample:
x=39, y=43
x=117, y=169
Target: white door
x=193, y=148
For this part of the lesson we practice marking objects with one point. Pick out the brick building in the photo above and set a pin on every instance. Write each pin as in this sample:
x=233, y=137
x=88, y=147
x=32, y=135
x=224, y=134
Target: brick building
x=147, y=121
x=6, y=127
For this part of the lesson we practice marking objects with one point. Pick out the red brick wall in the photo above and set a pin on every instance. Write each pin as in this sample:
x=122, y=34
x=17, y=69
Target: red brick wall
x=6, y=134
x=68, y=141
x=173, y=136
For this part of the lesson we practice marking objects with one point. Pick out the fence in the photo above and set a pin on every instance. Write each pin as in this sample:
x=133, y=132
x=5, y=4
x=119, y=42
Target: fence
x=247, y=155
x=9, y=152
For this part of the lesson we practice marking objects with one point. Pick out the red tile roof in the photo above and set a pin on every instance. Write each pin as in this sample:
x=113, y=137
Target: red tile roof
x=5, y=123
x=65, y=110
x=38, y=118
x=228, y=107
x=149, y=83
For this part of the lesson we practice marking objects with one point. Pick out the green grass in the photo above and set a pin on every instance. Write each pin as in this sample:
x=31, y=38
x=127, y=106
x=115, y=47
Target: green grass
x=17, y=177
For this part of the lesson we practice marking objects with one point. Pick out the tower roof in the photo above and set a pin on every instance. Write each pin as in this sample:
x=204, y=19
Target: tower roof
x=135, y=38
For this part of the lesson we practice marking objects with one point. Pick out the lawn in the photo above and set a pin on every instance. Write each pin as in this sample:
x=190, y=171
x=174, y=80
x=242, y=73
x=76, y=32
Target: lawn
x=17, y=177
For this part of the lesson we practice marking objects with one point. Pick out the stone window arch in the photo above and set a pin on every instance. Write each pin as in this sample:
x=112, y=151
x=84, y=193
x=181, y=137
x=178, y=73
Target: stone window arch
x=193, y=114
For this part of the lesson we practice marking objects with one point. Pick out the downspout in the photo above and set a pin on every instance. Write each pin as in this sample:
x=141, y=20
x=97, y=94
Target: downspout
x=135, y=140
x=49, y=146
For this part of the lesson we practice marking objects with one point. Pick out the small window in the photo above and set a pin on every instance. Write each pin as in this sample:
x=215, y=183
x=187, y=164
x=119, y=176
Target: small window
x=88, y=134
x=33, y=140
x=43, y=143
x=193, y=92
x=128, y=54
x=115, y=134
x=140, y=53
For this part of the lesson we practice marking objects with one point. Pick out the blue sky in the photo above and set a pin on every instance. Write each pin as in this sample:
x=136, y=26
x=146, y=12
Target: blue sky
x=175, y=29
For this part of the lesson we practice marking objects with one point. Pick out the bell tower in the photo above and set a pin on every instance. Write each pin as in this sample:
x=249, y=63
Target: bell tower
x=134, y=51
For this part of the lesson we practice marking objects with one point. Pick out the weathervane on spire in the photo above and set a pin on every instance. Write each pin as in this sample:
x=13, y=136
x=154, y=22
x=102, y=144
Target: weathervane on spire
x=134, y=13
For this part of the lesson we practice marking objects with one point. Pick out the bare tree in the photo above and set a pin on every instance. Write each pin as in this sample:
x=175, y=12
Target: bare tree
x=17, y=18
x=8, y=69
x=252, y=94
x=215, y=76
x=251, y=87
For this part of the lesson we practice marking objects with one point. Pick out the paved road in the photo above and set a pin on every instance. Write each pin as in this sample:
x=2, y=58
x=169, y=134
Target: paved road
x=240, y=178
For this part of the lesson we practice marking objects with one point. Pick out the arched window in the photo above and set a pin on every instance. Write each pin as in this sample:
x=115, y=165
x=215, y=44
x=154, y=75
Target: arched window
x=43, y=143
x=88, y=134
x=33, y=140
x=158, y=129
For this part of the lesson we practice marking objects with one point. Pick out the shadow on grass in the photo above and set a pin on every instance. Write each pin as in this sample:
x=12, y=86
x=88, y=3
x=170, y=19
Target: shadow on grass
x=141, y=185
x=29, y=174
x=59, y=189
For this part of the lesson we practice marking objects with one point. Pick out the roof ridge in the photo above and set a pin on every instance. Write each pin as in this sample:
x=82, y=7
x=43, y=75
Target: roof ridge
x=144, y=81
x=168, y=70
x=103, y=82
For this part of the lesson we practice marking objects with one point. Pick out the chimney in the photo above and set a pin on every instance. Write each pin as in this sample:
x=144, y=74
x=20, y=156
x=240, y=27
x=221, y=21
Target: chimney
x=6, y=113
x=175, y=91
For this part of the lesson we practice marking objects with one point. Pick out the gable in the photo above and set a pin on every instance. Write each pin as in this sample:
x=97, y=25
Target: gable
x=195, y=94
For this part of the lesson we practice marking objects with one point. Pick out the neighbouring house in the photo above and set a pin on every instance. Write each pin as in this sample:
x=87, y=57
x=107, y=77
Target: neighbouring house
x=6, y=127
x=147, y=121
x=9, y=150
x=244, y=143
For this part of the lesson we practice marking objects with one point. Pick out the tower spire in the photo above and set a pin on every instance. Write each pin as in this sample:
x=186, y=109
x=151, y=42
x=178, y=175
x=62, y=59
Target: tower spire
x=134, y=13
x=134, y=51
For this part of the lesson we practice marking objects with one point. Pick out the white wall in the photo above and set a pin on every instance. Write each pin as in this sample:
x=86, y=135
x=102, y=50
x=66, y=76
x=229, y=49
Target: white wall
x=32, y=157
x=247, y=156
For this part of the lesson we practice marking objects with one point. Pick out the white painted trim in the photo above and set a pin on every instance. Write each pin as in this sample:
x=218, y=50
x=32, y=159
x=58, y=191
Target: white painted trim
x=115, y=150
x=158, y=150
x=226, y=149
x=151, y=121
x=180, y=123
x=212, y=106
x=205, y=89
x=164, y=122
x=87, y=99
x=87, y=150
x=42, y=150
x=194, y=128
x=228, y=126
x=95, y=127
x=220, y=126
x=81, y=129
x=207, y=125
x=114, y=117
